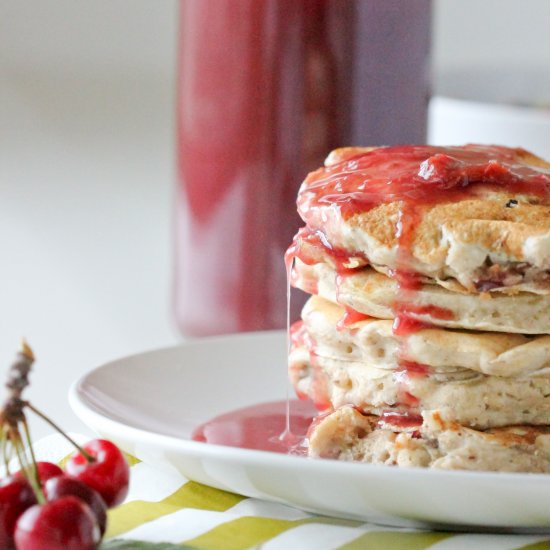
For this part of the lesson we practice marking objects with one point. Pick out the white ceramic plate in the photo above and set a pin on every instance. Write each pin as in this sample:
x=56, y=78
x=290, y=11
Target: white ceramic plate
x=149, y=403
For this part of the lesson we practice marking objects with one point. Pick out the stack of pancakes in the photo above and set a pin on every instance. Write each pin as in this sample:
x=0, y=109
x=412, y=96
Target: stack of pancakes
x=427, y=339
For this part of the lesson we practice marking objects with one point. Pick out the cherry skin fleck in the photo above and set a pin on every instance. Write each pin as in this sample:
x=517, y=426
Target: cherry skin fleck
x=46, y=470
x=16, y=495
x=108, y=474
x=66, y=523
x=61, y=486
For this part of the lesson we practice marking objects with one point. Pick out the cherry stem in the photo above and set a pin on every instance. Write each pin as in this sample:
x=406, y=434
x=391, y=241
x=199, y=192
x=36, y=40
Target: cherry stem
x=16, y=442
x=83, y=452
x=33, y=478
x=31, y=451
x=5, y=451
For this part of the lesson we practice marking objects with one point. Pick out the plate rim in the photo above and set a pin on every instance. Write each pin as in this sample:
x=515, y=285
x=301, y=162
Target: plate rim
x=93, y=418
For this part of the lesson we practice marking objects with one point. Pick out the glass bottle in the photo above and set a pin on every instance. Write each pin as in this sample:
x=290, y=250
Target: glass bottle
x=266, y=88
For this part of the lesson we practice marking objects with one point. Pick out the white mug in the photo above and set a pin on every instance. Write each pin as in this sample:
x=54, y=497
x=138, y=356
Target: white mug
x=496, y=106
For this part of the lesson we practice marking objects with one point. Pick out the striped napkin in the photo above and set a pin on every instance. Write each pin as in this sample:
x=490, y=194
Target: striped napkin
x=165, y=511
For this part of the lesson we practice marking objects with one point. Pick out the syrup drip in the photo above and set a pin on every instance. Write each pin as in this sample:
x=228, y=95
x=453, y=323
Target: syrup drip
x=313, y=247
x=408, y=280
x=350, y=317
x=287, y=437
x=433, y=311
x=400, y=419
x=402, y=376
x=407, y=286
x=413, y=370
x=405, y=371
x=405, y=323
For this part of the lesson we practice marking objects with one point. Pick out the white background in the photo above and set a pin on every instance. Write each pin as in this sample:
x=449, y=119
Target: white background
x=86, y=169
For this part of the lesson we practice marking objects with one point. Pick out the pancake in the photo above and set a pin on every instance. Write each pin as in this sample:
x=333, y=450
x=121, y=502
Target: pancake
x=465, y=396
x=374, y=294
x=335, y=334
x=346, y=434
x=478, y=216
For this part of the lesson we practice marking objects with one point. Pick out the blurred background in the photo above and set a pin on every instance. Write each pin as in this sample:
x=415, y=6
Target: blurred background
x=87, y=164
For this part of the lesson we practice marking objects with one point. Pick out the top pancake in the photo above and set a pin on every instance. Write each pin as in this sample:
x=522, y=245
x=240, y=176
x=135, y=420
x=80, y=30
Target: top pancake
x=476, y=224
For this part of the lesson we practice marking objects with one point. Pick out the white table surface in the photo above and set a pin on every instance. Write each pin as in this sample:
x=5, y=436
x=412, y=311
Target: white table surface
x=86, y=183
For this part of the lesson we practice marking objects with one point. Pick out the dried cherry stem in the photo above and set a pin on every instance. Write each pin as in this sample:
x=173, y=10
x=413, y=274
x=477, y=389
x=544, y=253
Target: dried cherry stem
x=12, y=416
x=83, y=452
x=18, y=379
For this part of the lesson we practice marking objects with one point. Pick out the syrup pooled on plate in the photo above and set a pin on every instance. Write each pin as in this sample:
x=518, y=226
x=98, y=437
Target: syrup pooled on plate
x=261, y=427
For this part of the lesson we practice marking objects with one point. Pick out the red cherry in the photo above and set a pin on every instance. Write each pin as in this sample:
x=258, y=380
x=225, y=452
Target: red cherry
x=108, y=474
x=16, y=495
x=46, y=470
x=66, y=523
x=62, y=486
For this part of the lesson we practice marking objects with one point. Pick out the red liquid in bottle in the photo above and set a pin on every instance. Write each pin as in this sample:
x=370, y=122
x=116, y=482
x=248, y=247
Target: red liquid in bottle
x=266, y=89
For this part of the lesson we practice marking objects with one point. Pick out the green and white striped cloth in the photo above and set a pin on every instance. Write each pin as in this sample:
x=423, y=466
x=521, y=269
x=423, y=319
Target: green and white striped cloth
x=168, y=508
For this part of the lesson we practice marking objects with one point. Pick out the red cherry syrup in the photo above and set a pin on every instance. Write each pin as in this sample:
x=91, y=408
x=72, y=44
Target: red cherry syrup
x=260, y=427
